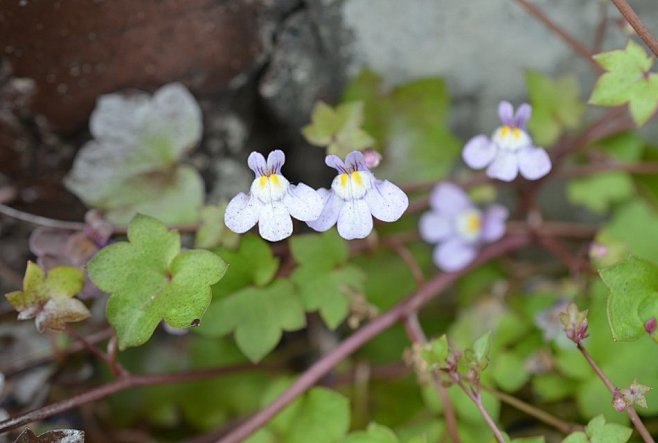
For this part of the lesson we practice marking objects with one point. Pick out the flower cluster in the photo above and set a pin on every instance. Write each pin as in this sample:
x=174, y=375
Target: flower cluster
x=458, y=227
x=509, y=151
x=355, y=197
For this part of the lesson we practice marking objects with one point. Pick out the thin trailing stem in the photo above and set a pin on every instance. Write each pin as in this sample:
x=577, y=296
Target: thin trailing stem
x=39, y=220
x=408, y=259
x=634, y=20
x=477, y=399
x=417, y=335
x=632, y=413
x=541, y=415
x=601, y=28
x=122, y=383
x=578, y=47
x=362, y=336
x=111, y=362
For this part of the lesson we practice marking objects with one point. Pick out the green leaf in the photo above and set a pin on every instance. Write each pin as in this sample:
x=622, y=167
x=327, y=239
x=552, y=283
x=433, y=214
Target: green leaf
x=633, y=298
x=252, y=263
x=509, y=371
x=627, y=80
x=598, y=431
x=599, y=192
x=320, y=416
x=375, y=433
x=149, y=280
x=481, y=348
x=323, y=251
x=328, y=291
x=257, y=316
x=635, y=223
x=339, y=129
x=132, y=164
x=435, y=352
x=212, y=231
x=48, y=297
x=556, y=105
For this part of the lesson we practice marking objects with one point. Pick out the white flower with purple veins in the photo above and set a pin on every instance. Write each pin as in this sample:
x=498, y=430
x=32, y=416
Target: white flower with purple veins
x=355, y=197
x=271, y=201
x=510, y=149
x=458, y=227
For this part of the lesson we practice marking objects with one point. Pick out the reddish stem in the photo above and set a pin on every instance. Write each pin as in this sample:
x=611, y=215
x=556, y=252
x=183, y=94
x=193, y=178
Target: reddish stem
x=410, y=305
x=634, y=20
x=578, y=47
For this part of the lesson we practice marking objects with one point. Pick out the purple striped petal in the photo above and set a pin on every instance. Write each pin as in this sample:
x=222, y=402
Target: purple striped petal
x=331, y=206
x=275, y=161
x=256, y=163
x=534, y=163
x=493, y=223
x=333, y=161
x=354, y=220
x=522, y=116
x=506, y=113
x=355, y=161
x=274, y=222
x=434, y=227
x=479, y=152
x=386, y=201
x=303, y=202
x=505, y=167
x=242, y=213
x=454, y=255
x=448, y=198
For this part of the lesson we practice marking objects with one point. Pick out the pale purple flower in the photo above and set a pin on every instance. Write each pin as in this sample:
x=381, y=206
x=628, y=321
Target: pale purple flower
x=510, y=149
x=355, y=197
x=271, y=201
x=458, y=227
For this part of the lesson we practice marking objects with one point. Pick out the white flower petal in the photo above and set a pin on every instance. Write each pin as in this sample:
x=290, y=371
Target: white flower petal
x=386, y=201
x=331, y=206
x=242, y=213
x=275, y=160
x=448, y=198
x=534, y=163
x=505, y=167
x=303, y=202
x=434, y=227
x=256, y=163
x=274, y=222
x=493, y=223
x=479, y=152
x=354, y=220
x=454, y=255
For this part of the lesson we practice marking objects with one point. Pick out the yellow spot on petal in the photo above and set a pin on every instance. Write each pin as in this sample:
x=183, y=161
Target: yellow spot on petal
x=343, y=180
x=505, y=130
x=357, y=178
x=262, y=182
x=274, y=178
x=516, y=133
x=474, y=223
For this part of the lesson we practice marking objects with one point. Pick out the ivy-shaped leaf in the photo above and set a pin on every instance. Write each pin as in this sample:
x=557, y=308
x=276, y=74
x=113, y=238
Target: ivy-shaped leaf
x=628, y=80
x=339, y=129
x=375, y=433
x=320, y=416
x=633, y=299
x=55, y=436
x=634, y=222
x=49, y=297
x=251, y=264
x=257, y=316
x=132, y=164
x=599, y=192
x=324, y=282
x=598, y=431
x=150, y=279
x=556, y=105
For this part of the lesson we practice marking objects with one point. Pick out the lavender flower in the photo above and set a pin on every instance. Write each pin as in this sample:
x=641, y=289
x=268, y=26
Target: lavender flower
x=510, y=149
x=271, y=201
x=458, y=227
x=355, y=197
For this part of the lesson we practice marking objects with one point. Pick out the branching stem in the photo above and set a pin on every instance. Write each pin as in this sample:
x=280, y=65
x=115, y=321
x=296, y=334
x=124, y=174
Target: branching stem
x=634, y=20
